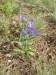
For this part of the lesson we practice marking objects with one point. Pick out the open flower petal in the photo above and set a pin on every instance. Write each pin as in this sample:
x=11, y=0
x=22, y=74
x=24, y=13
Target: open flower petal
x=29, y=23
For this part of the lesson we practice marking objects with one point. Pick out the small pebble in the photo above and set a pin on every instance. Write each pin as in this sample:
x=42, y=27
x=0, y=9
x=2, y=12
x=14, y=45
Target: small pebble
x=9, y=61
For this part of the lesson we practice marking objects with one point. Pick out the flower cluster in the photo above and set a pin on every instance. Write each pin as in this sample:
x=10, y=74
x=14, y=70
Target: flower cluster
x=28, y=32
x=30, y=29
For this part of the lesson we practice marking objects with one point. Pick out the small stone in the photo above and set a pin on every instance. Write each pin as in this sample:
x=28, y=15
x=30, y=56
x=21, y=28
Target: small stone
x=9, y=61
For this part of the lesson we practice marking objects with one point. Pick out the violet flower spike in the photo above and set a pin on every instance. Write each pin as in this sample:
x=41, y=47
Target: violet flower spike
x=22, y=18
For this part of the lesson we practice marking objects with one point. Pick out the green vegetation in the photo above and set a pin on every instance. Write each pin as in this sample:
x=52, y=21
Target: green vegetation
x=4, y=27
x=9, y=8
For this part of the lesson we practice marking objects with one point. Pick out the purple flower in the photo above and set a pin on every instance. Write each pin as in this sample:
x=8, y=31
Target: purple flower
x=23, y=32
x=30, y=22
x=33, y=32
x=23, y=28
x=22, y=18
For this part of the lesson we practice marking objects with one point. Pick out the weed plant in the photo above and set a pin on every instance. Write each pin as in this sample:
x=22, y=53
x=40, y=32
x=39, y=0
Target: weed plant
x=4, y=27
x=9, y=8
